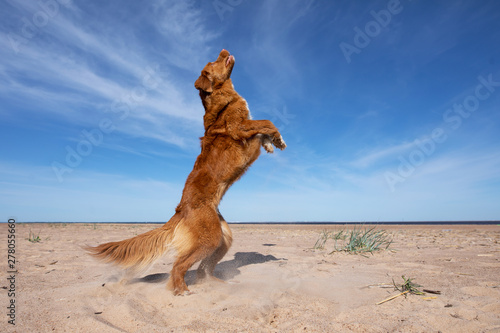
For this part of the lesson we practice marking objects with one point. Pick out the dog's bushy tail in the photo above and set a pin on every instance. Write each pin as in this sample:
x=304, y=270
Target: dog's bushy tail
x=138, y=252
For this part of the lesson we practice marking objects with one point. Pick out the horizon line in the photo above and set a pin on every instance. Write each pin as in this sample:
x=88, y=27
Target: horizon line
x=463, y=222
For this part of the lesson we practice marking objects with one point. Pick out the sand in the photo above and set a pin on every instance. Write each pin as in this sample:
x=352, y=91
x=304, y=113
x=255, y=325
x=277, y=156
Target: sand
x=275, y=282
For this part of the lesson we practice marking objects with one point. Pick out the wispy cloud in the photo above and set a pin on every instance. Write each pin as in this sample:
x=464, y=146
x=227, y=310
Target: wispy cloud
x=371, y=157
x=83, y=71
x=184, y=28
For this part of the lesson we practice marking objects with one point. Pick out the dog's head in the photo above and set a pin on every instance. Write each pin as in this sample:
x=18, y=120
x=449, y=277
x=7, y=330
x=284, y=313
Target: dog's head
x=215, y=73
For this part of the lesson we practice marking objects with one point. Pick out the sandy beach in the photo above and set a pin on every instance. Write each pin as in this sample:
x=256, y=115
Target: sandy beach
x=275, y=282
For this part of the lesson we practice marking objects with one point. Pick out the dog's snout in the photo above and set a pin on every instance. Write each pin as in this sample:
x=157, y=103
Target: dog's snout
x=224, y=53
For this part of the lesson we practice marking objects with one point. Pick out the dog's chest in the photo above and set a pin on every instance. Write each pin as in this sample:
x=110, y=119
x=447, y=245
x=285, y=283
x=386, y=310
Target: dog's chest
x=248, y=109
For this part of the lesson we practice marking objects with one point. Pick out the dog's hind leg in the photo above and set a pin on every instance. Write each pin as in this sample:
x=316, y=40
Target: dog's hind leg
x=192, y=246
x=176, y=281
x=207, y=265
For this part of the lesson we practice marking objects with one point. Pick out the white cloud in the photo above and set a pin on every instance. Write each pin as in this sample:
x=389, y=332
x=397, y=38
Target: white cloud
x=75, y=71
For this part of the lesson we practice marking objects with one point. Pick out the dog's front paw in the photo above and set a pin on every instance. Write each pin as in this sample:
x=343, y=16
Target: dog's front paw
x=268, y=146
x=279, y=142
x=267, y=143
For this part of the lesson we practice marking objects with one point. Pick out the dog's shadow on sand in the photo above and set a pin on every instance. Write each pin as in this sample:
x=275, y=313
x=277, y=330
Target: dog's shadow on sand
x=225, y=270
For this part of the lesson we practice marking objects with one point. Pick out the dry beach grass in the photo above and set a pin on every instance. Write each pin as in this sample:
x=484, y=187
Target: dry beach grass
x=275, y=282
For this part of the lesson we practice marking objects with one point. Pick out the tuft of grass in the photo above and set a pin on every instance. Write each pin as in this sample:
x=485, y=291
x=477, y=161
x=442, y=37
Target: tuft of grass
x=408, y=286
x=356, y=241
x=325, y=235
x=367, y=240
x=320, y=243
x=33, y=237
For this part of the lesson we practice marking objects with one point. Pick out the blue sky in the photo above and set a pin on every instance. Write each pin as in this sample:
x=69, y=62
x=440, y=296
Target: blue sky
x=390, y=109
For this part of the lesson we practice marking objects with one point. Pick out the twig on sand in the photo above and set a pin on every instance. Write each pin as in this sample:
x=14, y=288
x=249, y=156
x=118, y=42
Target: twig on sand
x=408, y=286
x=393, y=297
x=436, y=292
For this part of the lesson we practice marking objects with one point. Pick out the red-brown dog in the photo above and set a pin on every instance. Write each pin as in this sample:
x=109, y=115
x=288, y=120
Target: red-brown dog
x=197, y=231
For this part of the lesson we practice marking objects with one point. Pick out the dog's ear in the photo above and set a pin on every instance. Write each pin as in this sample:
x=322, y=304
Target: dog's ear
x=203, y=83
